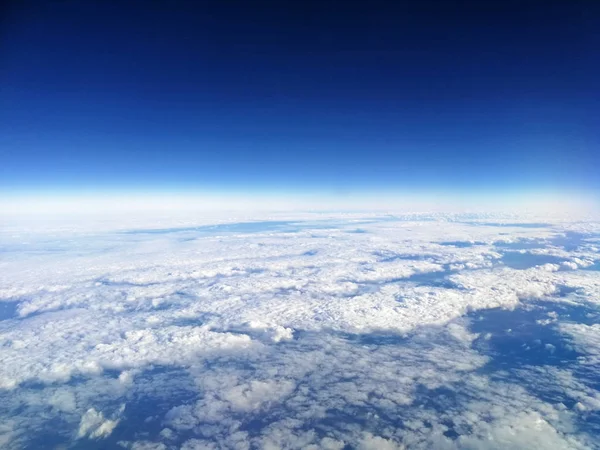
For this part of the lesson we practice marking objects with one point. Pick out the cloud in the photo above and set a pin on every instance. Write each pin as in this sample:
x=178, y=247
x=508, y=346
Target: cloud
x=370, y=442
x=314, y=337
x=94, y=425
x=586, y=339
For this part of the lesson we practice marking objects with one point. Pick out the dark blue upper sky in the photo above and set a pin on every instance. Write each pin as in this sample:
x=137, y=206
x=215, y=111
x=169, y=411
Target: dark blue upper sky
x=300, y=95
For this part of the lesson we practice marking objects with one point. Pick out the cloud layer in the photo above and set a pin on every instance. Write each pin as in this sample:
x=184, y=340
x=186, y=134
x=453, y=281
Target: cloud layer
x=361, y=331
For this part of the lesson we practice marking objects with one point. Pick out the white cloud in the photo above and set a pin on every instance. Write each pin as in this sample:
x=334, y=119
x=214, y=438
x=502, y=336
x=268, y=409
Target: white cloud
x=315, y=338
x=370, y=442
x=141, y=445
x=586, y=339
x=525, y=430
x=63, y=400
x=94, y=425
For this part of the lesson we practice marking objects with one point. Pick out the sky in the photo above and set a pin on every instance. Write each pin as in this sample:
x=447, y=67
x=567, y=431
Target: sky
x=287, y=97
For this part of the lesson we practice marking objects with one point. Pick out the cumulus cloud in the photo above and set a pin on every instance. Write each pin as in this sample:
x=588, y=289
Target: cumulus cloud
x=370, y=442
x=94, y=425
x=310, y=336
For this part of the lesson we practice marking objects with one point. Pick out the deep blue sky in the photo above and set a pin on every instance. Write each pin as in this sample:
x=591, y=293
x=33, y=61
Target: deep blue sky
x=300, y=95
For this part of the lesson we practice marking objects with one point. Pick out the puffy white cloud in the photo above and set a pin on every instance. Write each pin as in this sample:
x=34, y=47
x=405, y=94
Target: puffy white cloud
x=94, y=425
x=586, y=339
x=524, y=430
x=307, y=337
x=63, y=400
x=370, y=442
